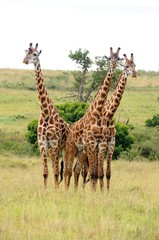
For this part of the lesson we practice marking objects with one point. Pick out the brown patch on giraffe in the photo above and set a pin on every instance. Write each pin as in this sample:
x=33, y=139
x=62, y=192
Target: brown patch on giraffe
x=96, y=113
x=39, y=129
x=44, y=131
x=51, y=120
x=40, y=86
x=43, y=99
x=46, y=111
x=105, y=87
x=44, y=105
x=103, y=95
x=56, y=117
x=41, y=121
x=100, y=102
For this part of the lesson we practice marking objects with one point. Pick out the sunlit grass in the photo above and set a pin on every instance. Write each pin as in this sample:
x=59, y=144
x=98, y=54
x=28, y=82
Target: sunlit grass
x=138, y=106
x=19, y=107
x=129, y=211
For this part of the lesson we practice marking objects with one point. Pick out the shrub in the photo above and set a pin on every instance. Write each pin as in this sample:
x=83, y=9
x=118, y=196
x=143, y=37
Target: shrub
x=149, y=147
x=72, y=112
x=145, y=145
x=32, y=135
x=154, y=121
x=124, y=139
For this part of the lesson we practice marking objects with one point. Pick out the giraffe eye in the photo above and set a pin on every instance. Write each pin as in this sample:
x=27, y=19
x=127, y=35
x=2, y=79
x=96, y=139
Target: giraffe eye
x=34, y=54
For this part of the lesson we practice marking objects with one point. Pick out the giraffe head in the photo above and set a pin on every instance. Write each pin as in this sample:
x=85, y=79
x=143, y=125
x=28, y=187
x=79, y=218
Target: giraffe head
x=114, y=57
x=32, y=55
x=130, y=65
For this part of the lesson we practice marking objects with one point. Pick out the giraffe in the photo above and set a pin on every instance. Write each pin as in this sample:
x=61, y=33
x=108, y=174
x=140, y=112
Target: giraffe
x=109, y=109
x=52, y=129
x=78, y=141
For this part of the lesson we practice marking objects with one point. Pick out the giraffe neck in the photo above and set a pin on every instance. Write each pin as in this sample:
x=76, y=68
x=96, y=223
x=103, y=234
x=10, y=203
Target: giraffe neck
x=99, y=100
x=45, y=102
x=112, y=105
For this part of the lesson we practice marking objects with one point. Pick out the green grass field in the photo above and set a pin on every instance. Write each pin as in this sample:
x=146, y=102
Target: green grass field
x=129, y=211
x=19, y=103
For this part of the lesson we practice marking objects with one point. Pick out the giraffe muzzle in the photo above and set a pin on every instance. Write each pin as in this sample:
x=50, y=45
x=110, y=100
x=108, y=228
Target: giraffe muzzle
x=25, y=61
x=134, y=74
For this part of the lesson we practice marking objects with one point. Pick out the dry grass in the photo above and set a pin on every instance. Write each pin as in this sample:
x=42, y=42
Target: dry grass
x=129, y=211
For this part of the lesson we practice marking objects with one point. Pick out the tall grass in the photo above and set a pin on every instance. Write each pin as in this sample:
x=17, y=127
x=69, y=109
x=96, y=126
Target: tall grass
x=129, y=211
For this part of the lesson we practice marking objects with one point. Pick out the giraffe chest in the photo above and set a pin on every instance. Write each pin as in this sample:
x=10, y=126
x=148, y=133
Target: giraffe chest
x=51, y=130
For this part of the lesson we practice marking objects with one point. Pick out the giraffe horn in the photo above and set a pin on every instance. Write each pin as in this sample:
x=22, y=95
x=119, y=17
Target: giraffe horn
x=36, y=45
x=111, y=52
x=132, y=57
x=117, y=52
x=30, y=47
x=125, y=57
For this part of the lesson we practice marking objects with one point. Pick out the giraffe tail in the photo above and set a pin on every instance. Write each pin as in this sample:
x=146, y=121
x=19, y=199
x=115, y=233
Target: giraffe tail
x=61, y=171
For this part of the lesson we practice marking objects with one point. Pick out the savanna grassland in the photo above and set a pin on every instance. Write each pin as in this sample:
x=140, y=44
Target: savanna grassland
x=129, y=211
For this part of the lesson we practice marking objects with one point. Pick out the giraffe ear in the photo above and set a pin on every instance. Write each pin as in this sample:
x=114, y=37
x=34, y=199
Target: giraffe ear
x=108, y=58
x=120, y=59
x=39, y=52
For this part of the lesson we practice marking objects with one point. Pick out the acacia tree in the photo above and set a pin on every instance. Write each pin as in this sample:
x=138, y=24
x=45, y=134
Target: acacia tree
x=85, y=83
x=102, y=65
x=84, y=62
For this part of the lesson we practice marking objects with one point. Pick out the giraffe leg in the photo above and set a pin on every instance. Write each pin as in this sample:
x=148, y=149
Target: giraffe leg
x=84, y=172
x=77, y=169
x=56, y=168
x=95, y=156
x=68, y=162
x=102, y=148
x=45, y=166
x=69, y=171
x=81, y=158
x=62, y=163
x=111, y=147
x=92, y=169
x=76, y=174
x=54, y=156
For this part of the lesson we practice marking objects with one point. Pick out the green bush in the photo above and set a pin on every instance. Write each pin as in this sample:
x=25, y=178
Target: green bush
x=153, y=122
x=72, y=112
x=145, y=145
x=149, y=147
x=32, y=135
x=124, y=139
